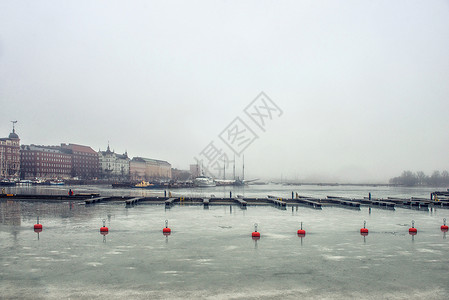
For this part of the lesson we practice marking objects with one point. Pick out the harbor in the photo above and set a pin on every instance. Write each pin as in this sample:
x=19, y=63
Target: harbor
x=210, y=239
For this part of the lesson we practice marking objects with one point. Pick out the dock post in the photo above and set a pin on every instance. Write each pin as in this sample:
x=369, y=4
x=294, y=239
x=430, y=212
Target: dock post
x=230, y=194
x=293, y=195
x=369, y=196
x=165, y=193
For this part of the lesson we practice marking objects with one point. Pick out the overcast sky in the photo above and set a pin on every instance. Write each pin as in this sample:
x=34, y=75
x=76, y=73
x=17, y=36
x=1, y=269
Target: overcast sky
x=363, y=86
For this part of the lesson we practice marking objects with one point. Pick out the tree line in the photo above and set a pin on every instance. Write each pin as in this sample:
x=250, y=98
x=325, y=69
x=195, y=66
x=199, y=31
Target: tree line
x=409, y=178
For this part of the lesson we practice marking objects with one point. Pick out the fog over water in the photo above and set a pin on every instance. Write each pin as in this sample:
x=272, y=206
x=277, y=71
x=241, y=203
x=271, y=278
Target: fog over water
x=361, y=86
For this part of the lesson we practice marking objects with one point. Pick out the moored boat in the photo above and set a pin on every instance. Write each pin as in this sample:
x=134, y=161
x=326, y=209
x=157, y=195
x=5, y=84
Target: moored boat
x=6, y=182
x=204, y=181
x=143, y=184
x=25, y=182
x=40, y=181
x=56, y=182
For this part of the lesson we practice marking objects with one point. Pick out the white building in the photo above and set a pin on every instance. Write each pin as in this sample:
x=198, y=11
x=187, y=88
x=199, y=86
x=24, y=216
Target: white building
x=113, y=165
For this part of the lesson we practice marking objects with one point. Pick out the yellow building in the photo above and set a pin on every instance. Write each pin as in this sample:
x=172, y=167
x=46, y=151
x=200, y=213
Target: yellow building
x=141, y=168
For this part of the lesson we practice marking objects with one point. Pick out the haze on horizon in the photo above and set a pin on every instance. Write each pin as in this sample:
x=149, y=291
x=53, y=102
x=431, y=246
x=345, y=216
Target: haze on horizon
x=363, y=85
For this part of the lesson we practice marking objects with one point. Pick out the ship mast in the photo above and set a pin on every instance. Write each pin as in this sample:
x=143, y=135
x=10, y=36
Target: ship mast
x=243, y=175
x=234, y=167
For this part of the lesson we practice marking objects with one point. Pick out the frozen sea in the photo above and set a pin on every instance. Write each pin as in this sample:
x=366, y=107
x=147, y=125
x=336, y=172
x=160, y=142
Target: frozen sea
x=210, y=253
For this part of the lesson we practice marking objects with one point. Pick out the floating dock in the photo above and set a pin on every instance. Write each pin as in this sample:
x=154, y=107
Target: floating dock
x=308, y=201
x=277, y=201
x=95, y=200
x=343, y=201
x=438, y=200
x=379, y=203
x=33, y=197
x=241, y=202
x=133, y=201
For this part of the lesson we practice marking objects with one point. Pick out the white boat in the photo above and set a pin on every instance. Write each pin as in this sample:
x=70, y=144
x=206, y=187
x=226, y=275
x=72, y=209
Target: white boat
x=204, y=181
x=39, y=181
x=56, y=182
x=25, y=181
x=224, y=182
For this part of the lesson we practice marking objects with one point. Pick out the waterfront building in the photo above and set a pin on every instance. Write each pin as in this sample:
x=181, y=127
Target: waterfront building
x=141, y=168
x=45, y=162
x=195, y=170
x=137, y=167
x=113, y=165
x=180, y=175
x=85, y=161
x=10, y=155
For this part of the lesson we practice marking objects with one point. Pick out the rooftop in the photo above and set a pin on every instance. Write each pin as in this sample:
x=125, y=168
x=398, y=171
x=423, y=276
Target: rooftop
x=152, y=161
x=79, y=148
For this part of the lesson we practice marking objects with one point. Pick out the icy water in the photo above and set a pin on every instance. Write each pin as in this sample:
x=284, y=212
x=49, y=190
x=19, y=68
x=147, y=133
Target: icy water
x=210, y=253
x=247, y=191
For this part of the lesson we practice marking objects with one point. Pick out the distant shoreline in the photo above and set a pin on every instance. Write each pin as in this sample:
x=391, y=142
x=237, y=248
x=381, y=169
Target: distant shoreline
x=357, y=184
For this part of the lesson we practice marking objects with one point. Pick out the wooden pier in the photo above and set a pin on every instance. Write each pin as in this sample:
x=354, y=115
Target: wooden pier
x=378, y=203
x=133, y=201
x=438, y=200
x=170, y=201
x=308, y=201
x=438, y=196
x=241, y=202
x=96, y=200
x=277, y=201
x=412, y=203
x=118, y=199
x=343, y=201
x=32, y=197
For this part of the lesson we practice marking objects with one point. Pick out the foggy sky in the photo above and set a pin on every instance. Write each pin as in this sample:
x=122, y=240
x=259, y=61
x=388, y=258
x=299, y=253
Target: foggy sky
x=363, y=85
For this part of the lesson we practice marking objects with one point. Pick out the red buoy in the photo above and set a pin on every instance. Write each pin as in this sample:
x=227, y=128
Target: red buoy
x=255, y=234
x=301, y=232
x=412, y=230
x=37, y=226
x=104, y=228
x=166, y=230
x=364, y=230
x=444, y=227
